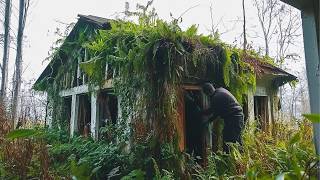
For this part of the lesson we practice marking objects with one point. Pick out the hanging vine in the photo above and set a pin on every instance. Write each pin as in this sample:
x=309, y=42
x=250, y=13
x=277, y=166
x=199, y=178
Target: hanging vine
x=152, y=60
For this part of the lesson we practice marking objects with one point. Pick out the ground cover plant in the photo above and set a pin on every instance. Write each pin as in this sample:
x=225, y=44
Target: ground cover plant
x=151, y=60
x=288, y=154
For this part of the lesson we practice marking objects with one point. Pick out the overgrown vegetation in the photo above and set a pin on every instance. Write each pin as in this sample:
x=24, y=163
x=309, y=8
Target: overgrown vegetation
x=152, y=60
x=288, y=154
x=52, y=154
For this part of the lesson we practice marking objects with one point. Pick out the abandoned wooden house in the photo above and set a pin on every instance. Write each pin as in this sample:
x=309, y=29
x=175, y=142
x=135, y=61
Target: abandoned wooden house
x=87, y=108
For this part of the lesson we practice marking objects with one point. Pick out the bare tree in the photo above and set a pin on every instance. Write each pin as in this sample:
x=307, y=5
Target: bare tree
x=288, y=26
x=23, y=9
x=280, y=26
x=213, y=29
x=304, y=106
x=33, y=104
x=295, y=98
x=267, y=11
x=143, y=12
x=6, y=48
x=244, y=27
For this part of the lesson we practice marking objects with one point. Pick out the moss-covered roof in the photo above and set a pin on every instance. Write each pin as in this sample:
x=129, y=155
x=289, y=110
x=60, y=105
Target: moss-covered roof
x=260, y=67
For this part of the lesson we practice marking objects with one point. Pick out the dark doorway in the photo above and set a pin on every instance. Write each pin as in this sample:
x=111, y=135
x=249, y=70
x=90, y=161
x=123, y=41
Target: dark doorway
x=108, y=108
x=193, y=119
x=84, y=114
x=67, y=112
x=261, y=111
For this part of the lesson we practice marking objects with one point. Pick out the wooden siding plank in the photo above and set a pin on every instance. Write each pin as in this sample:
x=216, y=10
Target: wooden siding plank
x=94, y=125
x=74, y=114
x=84, y=89
x=180, y=122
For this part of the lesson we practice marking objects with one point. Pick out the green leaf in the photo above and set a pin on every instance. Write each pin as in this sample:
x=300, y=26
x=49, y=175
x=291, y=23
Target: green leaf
x=22, y=133
x=95, y=170
x=315, y=118
x=137, y=174
x=281, y=176
x=89, y=66
x=295, y=139
x=80, y=171
x=191, y=31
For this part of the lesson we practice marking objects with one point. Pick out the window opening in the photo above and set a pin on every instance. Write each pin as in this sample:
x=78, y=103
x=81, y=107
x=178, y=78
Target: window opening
x=261, y=111
x=84, y=114
x=108, y=108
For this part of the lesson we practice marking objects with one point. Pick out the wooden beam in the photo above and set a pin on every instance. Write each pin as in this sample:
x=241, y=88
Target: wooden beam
x=119, y=107
x=74, y=114
x=114, y=73
x=106, y=73
x=300, y=4
x=94, y=128
x=250, y=106
x=313, y=72
x=78, y=72
x=261, y=91
x=191, y=87
x=75, y=90
x=84, y=89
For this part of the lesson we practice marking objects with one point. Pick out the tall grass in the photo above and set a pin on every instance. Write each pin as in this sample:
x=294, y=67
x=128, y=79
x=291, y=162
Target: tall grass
x=22, y=158
x=286, y=153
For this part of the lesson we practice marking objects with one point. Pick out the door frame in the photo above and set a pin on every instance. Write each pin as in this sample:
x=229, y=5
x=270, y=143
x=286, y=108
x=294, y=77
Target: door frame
x=181, y=123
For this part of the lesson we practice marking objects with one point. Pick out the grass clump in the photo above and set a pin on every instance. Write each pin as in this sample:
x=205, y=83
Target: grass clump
x=289, y=153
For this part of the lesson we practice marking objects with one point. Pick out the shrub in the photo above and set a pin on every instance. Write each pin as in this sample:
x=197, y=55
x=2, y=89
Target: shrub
x=52, y=154
x=283, y=154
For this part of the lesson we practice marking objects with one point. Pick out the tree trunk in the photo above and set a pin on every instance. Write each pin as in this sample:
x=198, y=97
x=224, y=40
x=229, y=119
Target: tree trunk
x=244, y=27
x=6, y=48
x=266, y=45
x=18, y=63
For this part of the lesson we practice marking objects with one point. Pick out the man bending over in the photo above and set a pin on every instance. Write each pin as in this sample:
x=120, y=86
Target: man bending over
x=225, y=105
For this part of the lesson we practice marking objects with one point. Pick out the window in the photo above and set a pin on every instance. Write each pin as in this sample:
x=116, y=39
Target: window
x=84, y=114
x=261, y=111
x=67, y=111
x=108, y=108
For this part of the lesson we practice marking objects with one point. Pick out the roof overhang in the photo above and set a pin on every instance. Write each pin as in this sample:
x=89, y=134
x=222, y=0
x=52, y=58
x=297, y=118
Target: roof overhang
x=49, y=72
x=300, y=4
x=265, y=70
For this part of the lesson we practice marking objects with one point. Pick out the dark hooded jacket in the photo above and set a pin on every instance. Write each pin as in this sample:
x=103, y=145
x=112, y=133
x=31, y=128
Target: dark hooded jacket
x=223, y=104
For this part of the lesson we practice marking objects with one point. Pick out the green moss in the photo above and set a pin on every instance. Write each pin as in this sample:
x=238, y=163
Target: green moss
x=152, y=61
x=228, y=70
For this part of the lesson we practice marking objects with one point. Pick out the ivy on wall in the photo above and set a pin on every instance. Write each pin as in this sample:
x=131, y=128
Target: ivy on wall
x=152, y=60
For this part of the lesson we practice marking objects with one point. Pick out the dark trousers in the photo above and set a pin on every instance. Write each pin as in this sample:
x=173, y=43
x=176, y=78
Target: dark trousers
x=233, y=126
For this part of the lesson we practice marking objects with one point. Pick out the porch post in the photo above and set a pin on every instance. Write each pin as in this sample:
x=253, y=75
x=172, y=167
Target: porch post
x=74, y=114
x=94, y=127
x=250, y=106
x=312, y=67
